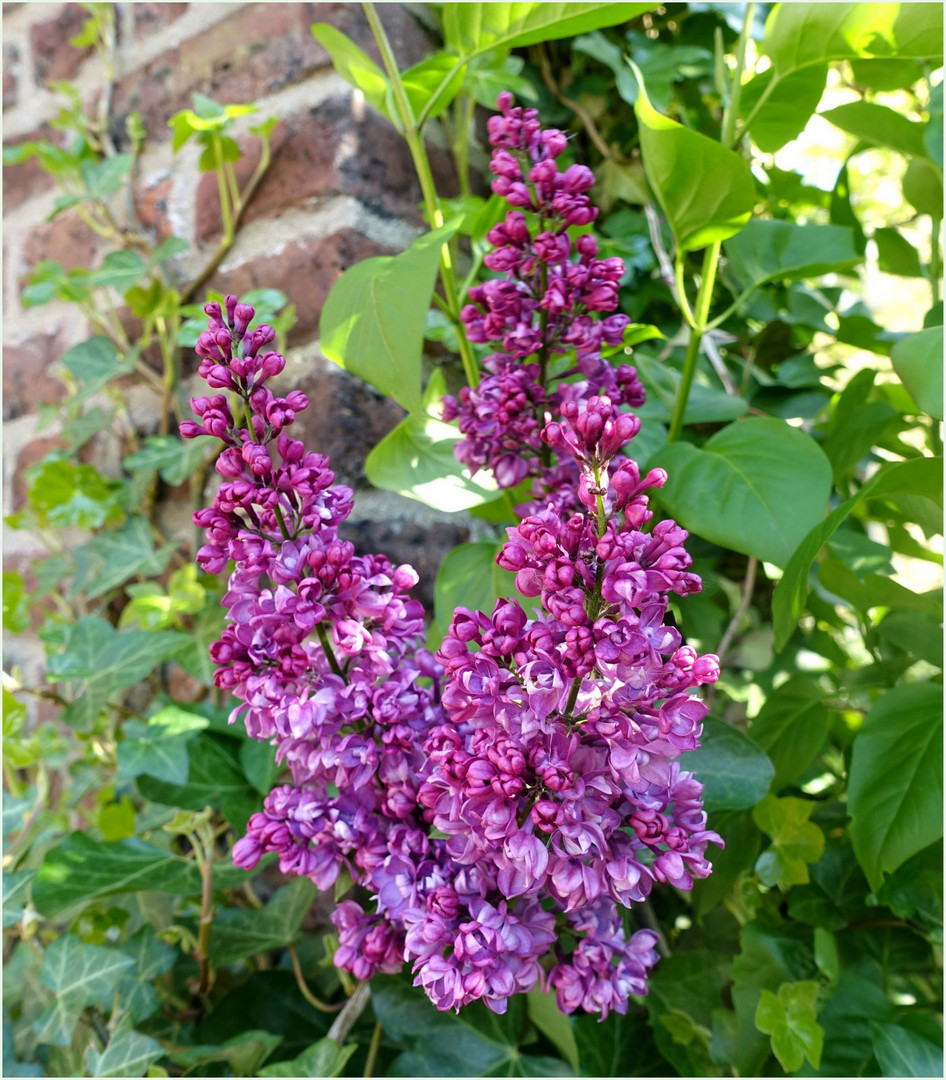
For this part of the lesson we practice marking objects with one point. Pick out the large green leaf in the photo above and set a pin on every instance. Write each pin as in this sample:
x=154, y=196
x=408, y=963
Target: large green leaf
x=784, y=251
x=878, y=125
x=901, y=1052
x=81, y=869
x=921, y=476
x=923, y=186
x=239, y=933
x=469, y=576
x=356, y=68
x=735, y=771
x=373, y=320
x=129, y=1053
x=472, y=28
x=416, y=459
x=895, y=795
x=555, y=1025
x=791, y=727
x=788, y=104
x=678, y=161
x=757, y=486
x=78, y=975
x=798, y=35
x=918, y=360
x=705, y=405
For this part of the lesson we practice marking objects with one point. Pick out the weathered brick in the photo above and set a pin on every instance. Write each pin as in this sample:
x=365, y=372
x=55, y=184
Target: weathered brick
x=30, y=454
x=305, y=167
x=422, y=546
x=151, y=203
x=345, y=419
x=153, y=18
x=11, y=70
x=27, y=381
x=23, y=181
x=54, y=58
x=66, y=240
x=304, y=270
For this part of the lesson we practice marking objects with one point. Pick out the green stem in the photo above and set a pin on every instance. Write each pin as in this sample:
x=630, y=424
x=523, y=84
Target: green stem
x=936, y=266
x=372, y=1059
x=703, y=298
x=224, y=194
x=329, y=654
x=731, y=111
x=681, y=292
x=425, y=175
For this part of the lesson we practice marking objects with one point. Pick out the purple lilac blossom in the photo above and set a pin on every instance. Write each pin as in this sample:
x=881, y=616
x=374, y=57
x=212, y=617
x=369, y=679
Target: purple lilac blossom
x=555, y=298
x=490, y=806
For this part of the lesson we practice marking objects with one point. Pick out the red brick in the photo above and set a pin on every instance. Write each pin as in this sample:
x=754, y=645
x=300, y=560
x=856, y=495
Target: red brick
x=27, y=381
x=30, y=454
x=151, y=203
x=379, y=170
x=304, y=270
x=66, y=240
x=11, y=68
x=153, y=18
x=255, y=51
x=23, y=181
x=54, y=59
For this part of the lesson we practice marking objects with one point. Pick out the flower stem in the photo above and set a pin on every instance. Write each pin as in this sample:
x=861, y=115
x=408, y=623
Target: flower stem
x=372, y=1059
x=315, y=1002
x=703, y=298
x=425, y=175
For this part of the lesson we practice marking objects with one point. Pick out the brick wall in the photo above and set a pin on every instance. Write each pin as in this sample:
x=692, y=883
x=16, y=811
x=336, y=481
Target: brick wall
x=341, y=187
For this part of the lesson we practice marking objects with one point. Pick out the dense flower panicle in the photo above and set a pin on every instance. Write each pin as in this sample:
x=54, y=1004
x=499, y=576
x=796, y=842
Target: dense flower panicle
x=499, y=804
x=554, y=300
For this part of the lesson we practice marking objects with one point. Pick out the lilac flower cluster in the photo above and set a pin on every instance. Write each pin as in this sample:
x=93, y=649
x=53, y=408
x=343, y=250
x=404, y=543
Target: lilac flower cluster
x=323, y=647
x=555, y=773
x=546, y=305
x=502, y=802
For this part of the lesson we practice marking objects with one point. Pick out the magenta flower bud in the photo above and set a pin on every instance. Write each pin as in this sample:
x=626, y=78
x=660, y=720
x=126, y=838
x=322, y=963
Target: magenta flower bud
x=190, y=430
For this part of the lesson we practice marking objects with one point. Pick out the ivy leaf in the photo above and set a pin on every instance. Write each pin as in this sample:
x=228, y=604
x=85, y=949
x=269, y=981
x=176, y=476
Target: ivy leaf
x=81, y=870
x=238, y=934
x=95, y=362
x=79, y=975
x=790, y=1017
x=65, y=494
x=138, y=998
x=176, y=458
x=101, y=661
x=111, y=558
x=158, y=748
x=895, y=794
x=322, y=1058
x=796, y=841
x=128, y=1054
